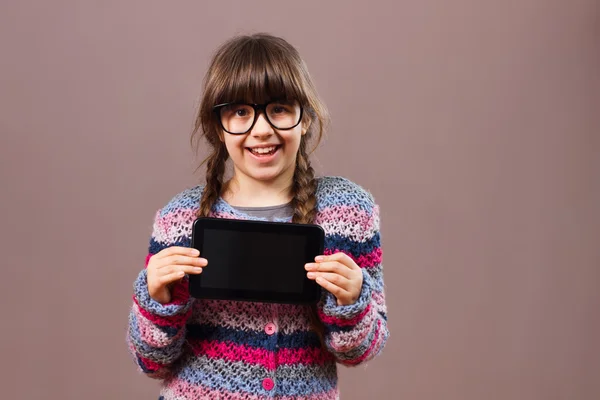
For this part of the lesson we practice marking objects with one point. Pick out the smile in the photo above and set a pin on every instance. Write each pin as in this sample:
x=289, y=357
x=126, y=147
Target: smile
x=263, y=151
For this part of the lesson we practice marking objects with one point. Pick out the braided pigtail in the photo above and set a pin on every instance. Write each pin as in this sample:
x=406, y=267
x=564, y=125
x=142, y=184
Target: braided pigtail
x=215, y=170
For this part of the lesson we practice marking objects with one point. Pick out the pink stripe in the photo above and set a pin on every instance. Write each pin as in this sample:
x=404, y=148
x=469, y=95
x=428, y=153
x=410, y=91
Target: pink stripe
x=180, y=294
x=156, y=369
x=184, y=216
x=378, y=297
x=180, y=388
x=270, y=360
x=366, y=353
x=343, y=341
x=343, y=322
x=176, y=321
x=337, y=213
x=178, y=218
x=371, y=260
x=251, y=316
x=305, y=356
x=262, y=311
x=150, y=334
x=149, y=364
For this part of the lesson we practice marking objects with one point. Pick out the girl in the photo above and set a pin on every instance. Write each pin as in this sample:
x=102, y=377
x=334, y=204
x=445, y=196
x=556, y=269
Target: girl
x=260, y=109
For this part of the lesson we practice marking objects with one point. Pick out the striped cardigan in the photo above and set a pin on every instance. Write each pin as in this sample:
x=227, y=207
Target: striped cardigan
x=230, y=350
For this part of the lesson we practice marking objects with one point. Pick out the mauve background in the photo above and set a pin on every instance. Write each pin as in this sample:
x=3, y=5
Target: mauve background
x=474, y=123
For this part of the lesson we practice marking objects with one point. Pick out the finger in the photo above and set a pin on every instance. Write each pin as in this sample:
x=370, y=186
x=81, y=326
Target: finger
x=183, y=260
x=330, y=266
x=339, y=257
x=186, y=269
x=331, y=288
x=170, y=278
x=334, y=278
x=177, y=250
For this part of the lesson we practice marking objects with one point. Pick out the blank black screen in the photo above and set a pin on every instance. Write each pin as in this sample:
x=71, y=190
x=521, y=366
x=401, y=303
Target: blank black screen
x=254, y=261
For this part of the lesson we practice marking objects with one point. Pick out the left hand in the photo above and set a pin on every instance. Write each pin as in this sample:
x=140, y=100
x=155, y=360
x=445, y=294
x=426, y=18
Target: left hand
x=339, y=275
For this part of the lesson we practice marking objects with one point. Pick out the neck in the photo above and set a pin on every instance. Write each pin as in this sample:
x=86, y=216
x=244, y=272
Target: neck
x=244, y=191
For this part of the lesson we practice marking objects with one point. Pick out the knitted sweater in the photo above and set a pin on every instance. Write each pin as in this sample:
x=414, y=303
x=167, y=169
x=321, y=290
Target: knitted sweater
x=230, y=350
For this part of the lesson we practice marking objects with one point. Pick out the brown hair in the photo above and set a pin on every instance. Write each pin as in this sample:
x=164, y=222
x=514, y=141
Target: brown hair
x=256, y=69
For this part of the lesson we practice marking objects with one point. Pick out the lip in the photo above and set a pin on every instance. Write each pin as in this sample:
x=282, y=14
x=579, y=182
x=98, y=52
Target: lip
x=264, y=159
x=262, y=146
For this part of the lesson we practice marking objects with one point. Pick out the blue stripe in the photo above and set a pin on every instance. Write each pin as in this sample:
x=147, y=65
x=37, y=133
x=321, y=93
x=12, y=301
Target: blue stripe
x=353, y=247
x=143, y=367
x=337, y=328
x=170, y=331
x=331, y=242
x=195, y=375
x=187, y=199
x=155, y=246
x=161, y=355
x=348, y=328
x=297, y=340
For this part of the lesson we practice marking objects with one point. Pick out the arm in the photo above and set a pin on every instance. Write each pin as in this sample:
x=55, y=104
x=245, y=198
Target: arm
x=156, y=331
x=357, y=333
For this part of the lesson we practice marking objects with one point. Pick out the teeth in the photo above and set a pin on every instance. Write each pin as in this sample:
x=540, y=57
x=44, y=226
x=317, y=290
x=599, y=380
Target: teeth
x=264, y=150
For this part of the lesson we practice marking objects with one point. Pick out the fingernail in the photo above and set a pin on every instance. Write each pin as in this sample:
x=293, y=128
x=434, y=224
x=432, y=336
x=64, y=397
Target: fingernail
x=319, y=258
x=197, y=269
x=309, y=266
x=310, y=275
x=194, y=252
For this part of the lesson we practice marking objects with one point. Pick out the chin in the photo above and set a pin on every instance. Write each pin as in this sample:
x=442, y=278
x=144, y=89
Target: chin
x=264, y=176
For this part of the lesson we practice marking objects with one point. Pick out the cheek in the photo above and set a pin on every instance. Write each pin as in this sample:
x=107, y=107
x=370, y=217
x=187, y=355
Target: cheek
x=234, y=145
x=293, y=139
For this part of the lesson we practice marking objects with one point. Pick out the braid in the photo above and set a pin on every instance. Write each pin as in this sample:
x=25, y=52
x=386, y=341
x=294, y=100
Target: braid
x=215, y=169
x=305, y=212
x=304, y=189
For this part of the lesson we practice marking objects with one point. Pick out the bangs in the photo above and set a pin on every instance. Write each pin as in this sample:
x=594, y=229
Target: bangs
x=259, y=74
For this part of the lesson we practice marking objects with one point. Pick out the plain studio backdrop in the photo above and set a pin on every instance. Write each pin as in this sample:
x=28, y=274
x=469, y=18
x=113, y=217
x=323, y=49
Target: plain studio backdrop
x=475, y=124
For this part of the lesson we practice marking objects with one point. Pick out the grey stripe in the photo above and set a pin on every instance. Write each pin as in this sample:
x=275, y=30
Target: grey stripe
x=364, y=345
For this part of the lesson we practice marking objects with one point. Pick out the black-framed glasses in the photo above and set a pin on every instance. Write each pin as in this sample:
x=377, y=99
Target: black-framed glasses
x=239, y=118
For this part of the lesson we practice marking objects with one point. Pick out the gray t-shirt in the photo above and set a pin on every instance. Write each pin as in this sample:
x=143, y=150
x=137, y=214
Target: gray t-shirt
x=270, y=212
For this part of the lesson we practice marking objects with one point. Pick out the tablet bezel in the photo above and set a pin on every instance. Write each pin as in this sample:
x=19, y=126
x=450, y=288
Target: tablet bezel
x=315, y=245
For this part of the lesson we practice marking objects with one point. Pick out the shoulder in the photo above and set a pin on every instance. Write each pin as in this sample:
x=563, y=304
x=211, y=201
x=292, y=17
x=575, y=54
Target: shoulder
x=173, y=222
x=339, y=191
x=186, y=200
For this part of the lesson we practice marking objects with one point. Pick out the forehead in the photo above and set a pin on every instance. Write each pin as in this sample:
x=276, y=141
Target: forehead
x=260, y=83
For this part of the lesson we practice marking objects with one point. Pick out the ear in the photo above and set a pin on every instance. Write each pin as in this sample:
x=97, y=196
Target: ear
x=305, y=125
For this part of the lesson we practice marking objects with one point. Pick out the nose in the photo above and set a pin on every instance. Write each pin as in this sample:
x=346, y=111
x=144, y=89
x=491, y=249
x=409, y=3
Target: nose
x=262, y=128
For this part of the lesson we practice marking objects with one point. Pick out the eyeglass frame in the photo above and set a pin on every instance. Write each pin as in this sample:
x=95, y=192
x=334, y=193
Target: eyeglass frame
x=257, y=109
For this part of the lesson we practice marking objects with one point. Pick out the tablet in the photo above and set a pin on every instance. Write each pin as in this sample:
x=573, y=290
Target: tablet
x=256, y=260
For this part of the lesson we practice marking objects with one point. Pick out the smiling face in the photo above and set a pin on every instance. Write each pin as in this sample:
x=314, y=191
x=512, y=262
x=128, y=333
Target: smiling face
x=263, y=141
x=258, y=71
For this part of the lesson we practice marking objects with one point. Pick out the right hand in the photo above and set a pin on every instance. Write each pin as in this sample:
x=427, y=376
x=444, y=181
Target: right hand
x=168, y=266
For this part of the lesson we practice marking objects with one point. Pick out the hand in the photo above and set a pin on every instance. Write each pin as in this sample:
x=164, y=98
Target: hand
x=168, y=266
x=339, y=275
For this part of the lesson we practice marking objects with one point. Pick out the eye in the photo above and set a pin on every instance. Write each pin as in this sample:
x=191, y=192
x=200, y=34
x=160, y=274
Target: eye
x=237, y=111
x=280, y=108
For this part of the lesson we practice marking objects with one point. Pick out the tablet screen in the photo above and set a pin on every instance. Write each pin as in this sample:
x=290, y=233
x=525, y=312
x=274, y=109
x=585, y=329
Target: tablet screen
x=256, y=260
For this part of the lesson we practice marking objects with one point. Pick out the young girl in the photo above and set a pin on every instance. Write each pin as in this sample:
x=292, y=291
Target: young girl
x=260, y=109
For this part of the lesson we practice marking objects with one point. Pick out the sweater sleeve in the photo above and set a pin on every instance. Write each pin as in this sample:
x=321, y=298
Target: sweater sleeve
x=357, y=333
x=156, y=332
